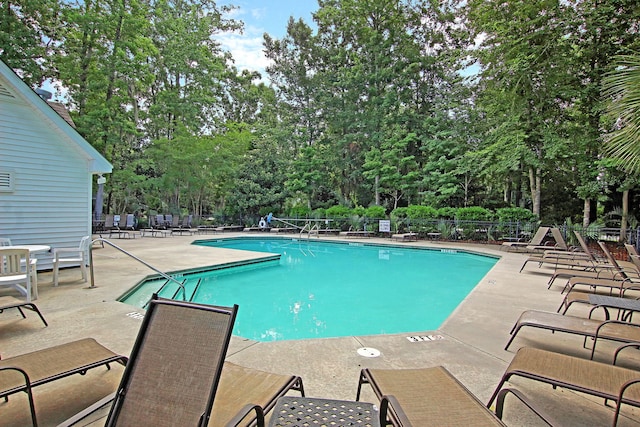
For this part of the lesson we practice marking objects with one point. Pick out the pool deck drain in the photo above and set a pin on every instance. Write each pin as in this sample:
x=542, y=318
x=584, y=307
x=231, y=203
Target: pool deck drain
x=368, y=352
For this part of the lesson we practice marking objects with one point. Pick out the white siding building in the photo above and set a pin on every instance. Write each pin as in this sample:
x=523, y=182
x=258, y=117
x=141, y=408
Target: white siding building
x=46, y=171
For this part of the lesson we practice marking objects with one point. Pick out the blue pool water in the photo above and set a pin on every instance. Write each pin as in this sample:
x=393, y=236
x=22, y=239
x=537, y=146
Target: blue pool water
x=321, y=289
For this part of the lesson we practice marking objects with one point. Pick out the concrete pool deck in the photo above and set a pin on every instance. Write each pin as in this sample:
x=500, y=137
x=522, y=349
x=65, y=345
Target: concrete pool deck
x=472, y=343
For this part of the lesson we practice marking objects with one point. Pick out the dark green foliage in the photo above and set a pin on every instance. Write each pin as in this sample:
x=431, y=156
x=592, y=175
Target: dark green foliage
x=515, y=214
x=474, y=213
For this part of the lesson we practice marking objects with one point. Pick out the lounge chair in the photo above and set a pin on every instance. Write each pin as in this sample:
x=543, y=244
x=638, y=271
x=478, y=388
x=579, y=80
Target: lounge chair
x=192, y=340
x=536, y=240
x=429, y=396
x=14, y=272
x=576, y=296
x=175, y=365
x=22, y=373
x=586, y=376
x=613, y=330
x=559, y=246
x=72, y=256
x=405, y=237
x=9, y=302
x=613, y=270
x=112, y=225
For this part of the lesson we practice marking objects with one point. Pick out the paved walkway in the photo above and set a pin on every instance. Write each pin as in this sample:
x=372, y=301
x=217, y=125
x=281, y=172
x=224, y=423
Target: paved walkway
x=471, y=348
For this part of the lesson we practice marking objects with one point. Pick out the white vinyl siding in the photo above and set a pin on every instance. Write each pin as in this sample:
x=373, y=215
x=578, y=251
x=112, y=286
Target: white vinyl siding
x=51, y=198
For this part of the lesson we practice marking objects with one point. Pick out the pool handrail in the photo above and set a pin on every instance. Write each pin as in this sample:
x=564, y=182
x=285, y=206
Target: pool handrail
x=146, y=264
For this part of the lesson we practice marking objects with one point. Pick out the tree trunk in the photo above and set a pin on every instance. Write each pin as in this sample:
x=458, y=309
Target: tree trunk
x=377, y=190
x=625, y=216
x=586, y=210
x=535, y=181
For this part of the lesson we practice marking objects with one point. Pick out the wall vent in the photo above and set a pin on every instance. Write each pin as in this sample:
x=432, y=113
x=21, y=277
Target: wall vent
x=6, y=181
x=4, y=92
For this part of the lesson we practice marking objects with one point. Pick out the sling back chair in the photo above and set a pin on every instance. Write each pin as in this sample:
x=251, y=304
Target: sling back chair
x=175, y=366
x=432, y=396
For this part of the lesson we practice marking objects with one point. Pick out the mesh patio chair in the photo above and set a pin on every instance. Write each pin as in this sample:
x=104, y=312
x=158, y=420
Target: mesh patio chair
x=22, y=373
x=610, y=382
x=176, y=375
x=176, y=366
x=431, y=396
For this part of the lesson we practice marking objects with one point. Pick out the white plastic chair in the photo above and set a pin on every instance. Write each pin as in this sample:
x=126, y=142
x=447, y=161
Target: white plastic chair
x=72, y=256
x=13, y=271
x=5, y=241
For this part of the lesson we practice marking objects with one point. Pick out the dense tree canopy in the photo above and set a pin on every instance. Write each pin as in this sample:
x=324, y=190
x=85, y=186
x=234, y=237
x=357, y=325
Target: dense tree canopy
x=385, y=103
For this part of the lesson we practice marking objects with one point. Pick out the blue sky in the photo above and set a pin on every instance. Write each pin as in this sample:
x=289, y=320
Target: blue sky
x=261, y=17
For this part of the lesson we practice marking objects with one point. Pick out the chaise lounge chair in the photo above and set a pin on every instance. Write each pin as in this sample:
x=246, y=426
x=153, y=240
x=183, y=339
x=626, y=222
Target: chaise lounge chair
x=176, y=374
x=612, y=330
x=8, y=302
x=586, y=376
x=430, y=396
x=559, y=247
x=22, y=373
x=536, y=240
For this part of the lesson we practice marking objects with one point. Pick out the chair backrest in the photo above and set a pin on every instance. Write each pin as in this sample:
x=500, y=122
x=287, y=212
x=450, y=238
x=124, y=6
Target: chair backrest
x=109, y=221
x=612, y=260
x=5, y=241
x=131, y=222
x=175, y=222
x=175, y=365
x=584, y=246
x=160, y=220
x=537, y=238
x=85, y=242
x=14, y=262
x=559, y=238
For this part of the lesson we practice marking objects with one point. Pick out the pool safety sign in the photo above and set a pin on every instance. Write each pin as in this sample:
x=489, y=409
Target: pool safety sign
x=384, y=226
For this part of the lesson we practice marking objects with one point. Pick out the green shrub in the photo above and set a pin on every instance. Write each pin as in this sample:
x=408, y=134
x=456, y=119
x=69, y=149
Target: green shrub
x=474, y=213
x=447, y=213
x=515, y=214
x=375, y=212
x=338, y=211
x=421, y=212
x=358, y=211
x=319, y=213
x=299, y=211
x=399, y=213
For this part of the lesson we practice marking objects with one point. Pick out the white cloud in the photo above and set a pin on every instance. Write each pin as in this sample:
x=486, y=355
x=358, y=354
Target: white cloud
x=247, y=51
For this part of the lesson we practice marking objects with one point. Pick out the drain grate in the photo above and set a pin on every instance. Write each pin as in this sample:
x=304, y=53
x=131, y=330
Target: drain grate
x=368, y=352
x=421, y=338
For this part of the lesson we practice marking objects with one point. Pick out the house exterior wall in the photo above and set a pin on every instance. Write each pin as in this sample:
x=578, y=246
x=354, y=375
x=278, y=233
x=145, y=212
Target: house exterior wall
x=49, y=201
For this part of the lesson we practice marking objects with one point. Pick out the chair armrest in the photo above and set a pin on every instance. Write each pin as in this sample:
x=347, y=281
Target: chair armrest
x=244, y=412
x=635, y=345
x=390, y=401
x=522, y=398
x=66, y=250
x=27, y=386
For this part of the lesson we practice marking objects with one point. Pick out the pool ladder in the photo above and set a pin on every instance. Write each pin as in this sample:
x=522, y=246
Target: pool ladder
x=146, y=264
x=310, y=230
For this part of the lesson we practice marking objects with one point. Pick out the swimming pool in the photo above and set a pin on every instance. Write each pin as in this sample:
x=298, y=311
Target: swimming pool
x=324, y=289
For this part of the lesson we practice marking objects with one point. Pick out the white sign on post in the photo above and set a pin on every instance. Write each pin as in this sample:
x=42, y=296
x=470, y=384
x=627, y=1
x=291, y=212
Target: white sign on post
x=384, y=226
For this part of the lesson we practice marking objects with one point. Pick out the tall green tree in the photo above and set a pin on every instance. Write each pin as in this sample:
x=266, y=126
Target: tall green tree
x=29, y=34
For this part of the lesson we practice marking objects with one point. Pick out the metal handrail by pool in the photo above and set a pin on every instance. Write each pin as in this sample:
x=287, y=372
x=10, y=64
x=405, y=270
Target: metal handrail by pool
x=146, y=264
